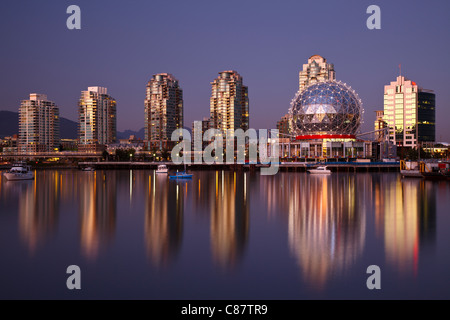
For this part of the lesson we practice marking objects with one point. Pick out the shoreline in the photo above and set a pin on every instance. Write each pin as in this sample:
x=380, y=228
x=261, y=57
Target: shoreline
x=282, y=167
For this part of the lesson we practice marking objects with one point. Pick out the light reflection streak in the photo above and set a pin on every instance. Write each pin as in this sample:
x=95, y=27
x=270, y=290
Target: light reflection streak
x=326, y=223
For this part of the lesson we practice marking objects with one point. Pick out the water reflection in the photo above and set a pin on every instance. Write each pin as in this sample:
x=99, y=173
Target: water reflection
x=326, y=225
x=326, y=216
x=229, y=207
x=38, y=208
x=164, y=209
x=97, y=210
x=326, y=229
x=406, y=215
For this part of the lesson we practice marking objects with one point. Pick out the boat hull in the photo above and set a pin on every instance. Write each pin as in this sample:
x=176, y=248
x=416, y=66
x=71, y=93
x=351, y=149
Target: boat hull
x=18, y=176
x=321, y=172
x=434, y=176
x=181, y=177
x=411, y=173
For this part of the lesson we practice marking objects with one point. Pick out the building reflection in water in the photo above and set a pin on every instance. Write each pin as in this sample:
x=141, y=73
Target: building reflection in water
x=164, y=208
x=229, y=207
x=97, y=210
x=39, y=204
x=326, y=223
x=406, y=214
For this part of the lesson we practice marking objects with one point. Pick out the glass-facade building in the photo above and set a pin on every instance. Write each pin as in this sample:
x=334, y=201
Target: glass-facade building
x=324, y=108
x=426, y=112
x=38, y=125
x=325, y=118
x=163, y=110
x=229, y=103
x=409, y=112
x=316, y=70
x=97, y=125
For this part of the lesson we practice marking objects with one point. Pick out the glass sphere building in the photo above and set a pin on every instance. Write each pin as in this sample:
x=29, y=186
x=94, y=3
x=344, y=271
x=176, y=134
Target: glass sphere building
x=328, y=108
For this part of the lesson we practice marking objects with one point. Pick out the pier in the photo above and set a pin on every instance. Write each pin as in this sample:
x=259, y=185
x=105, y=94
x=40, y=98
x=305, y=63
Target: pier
x=283, y=166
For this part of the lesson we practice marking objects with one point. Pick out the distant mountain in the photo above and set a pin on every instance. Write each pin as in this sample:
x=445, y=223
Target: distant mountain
x=9, y=125
x=68, y=129
x=127, y=133
x=139, y=134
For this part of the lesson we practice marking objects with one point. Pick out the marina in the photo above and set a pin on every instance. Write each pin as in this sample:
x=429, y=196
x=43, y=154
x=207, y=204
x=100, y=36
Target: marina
x=19, y=171
x=343, y=166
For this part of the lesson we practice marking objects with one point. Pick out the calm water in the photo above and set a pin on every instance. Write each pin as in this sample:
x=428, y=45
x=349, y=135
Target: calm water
x=224, y=235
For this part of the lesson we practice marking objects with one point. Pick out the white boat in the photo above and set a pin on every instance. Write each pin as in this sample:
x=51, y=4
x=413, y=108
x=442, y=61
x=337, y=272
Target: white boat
x=162, y=168
x=320, y=170
x=88, y=169
x=19, y=172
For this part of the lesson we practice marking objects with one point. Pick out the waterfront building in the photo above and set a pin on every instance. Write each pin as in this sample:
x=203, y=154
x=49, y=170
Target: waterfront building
x=437, y=149
x=426, y=111
x=97, y=126
x=317, y=69
x=202, y=126
x=325, y=118
x=163, y=110
x=229, y=103
x=10, y=141
x=38, y=125
x=69, y=145
x=379, y=124
x=131, y=143
x=283, y=126
x=409, y=112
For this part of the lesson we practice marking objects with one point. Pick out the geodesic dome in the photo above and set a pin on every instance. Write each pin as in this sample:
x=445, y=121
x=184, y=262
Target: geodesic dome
x=328, y=107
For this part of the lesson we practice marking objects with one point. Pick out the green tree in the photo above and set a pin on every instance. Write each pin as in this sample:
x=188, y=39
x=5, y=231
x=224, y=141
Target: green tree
x=105, y=155
x=124, y=154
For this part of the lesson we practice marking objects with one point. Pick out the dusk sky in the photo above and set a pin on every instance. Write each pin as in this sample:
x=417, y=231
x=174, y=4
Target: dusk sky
x=121, y=44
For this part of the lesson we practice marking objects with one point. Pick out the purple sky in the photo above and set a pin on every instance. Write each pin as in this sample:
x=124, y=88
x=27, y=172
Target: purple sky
x=123, y=43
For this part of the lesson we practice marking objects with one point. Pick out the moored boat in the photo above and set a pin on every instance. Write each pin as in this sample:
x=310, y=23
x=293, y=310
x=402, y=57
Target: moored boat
x=162, y=169
x=436, y=171
x=19, y=172
x=320, y=170
x=411, y=173
x=181, y=175
x=434, y=175
x=411, y=169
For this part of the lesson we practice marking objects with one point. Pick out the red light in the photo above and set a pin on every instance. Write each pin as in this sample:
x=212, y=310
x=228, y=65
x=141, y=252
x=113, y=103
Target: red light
x=325, y=136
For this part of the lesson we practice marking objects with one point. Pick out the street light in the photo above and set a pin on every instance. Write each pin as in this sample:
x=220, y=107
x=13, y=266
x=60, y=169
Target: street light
x=131, y=156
